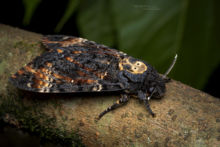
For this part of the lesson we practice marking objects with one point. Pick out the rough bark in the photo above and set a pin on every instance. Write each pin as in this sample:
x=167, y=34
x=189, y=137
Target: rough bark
x=184, y=117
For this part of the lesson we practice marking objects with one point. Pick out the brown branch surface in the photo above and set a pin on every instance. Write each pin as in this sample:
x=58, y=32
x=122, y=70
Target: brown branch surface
x=184, y=117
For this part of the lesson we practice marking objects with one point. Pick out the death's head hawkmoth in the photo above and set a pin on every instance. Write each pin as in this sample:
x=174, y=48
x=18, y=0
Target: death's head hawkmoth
x=72, y=65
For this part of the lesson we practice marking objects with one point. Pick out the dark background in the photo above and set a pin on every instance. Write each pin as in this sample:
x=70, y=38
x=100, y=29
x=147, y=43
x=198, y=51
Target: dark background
x=43, y=21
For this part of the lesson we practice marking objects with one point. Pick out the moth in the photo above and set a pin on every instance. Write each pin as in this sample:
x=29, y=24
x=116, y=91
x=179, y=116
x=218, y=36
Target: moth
x=73, y=64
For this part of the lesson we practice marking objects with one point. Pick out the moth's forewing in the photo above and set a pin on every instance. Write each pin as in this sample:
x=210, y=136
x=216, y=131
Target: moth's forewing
x=71, y=65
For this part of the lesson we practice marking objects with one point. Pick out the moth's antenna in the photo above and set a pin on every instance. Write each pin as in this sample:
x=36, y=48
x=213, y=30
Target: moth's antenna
x=171, y=66
x=164, y=76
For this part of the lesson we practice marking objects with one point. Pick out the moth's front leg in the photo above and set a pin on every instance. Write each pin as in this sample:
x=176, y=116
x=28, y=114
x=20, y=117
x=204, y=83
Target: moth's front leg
x=142, y=96
x=124, y=99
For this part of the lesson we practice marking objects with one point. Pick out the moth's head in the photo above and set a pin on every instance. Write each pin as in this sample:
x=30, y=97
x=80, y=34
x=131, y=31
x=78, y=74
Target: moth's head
x=156, y=83
x=157, y=88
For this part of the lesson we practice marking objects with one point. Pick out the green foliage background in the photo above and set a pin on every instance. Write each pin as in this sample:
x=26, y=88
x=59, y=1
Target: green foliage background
x=152, y=30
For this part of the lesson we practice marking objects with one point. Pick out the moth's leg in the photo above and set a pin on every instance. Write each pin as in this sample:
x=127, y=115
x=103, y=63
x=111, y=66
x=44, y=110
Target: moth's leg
x=124, y=99
x=142, y=96
x=146, y=102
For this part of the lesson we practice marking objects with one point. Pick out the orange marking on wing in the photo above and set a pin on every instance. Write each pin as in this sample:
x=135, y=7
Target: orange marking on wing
x=46, y=78
x=75, y=62
x=89, y=81
x=59, y=50
x=37, y=83
x=81, y=74
x=101, y=75
x=88, y=69
x=37, y=86
x=68, y=79
x=69, y=59
x=29, y=69
x=39, y=75
x=71, y=41
x=58, y=81
x=49, y=64
x=45, y=84
x=13, y=76
x=20, y=72
x=77, y=52
x=66, y=42
x=85, y=81
x=45, y=71
x=57, y=76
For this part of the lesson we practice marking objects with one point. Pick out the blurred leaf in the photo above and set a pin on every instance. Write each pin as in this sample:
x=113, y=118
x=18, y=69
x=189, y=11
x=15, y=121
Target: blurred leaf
x=71, y=7
x=155, y=31
x=148, y=29
x=199, y=44
x=30, y=6
x=144, y=30
x=95, y=21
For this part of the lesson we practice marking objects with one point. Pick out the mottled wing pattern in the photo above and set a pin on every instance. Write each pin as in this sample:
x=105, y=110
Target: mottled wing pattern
x=57, y=41
x=71, y=65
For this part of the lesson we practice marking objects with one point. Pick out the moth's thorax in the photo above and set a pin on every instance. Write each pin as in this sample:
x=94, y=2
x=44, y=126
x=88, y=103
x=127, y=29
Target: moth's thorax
x=142, y=76
x=132, y=65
